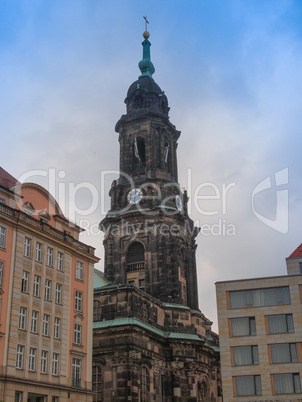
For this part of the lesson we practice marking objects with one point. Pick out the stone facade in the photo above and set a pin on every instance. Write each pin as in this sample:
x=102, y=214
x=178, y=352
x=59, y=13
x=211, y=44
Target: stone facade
x=151, y=342
x=260, y=333
x=41, y=358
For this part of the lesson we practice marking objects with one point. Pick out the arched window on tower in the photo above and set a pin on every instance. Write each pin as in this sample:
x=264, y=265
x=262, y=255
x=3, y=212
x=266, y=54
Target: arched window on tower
x=139, y=154
x=182, y=267
x=135, y=257
x=145, y=384
x=135, y=262
x=167, y=155
x=202, y=392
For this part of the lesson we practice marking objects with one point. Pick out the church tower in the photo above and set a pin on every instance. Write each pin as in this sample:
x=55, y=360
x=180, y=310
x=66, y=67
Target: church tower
x=149, y=237
x=150, y=340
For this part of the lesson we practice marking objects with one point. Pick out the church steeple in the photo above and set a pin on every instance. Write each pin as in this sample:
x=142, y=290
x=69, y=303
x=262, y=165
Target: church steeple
x=147, y=198
x=146, y=66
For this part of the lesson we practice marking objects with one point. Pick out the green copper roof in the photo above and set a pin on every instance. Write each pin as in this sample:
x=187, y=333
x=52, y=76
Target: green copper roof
x=133, y=321
x=98, y=279
x=146, y=66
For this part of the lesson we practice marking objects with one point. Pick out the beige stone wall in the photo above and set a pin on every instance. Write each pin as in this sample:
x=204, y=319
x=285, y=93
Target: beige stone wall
x=262, y=339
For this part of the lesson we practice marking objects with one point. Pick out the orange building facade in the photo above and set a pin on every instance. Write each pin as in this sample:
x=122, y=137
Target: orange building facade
x=46, y=296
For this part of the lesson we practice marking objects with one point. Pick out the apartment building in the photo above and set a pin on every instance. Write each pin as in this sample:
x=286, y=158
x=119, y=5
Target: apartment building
x=260, y=333
x=46, y=296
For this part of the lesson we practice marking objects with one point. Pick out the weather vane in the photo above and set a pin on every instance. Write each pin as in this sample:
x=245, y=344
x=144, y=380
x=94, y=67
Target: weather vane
x=146, y=22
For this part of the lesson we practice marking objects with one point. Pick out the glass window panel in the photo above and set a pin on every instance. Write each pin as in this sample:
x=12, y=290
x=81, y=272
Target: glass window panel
x=245, y=355
x=248, y=385
x=259, y=297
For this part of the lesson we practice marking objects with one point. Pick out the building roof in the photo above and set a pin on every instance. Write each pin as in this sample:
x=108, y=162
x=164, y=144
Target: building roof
x=7, y=180
x=99, y=279
x=130, y=321
x=297, y=252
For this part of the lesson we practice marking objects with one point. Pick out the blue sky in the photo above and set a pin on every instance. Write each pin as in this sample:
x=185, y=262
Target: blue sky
x=232, y=72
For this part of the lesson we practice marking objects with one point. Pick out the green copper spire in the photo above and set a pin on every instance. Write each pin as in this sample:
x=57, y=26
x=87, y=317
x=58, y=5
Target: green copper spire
x=146, y=65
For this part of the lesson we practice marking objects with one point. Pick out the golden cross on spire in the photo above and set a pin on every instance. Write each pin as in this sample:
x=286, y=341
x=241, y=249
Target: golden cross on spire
x=146, y=22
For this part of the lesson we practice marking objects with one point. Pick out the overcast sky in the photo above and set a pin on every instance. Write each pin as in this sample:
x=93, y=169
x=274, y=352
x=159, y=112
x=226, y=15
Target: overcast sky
x=232, y=72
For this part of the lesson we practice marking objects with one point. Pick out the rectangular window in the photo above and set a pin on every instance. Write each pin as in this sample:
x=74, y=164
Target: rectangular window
x=18, y=396
x=284, y=353
x=96, y=378
x=141, y=283
x=49, y=257
x=48, y=284
x=27, y=247
x=37, y=285
x=76, y=372
x=55, y=364
x=58, y=298
x=300, y=267
x=20, y=356
x=243, y=326
x=77, y=336
x=44, y=361
x=78, y=301
x=280, y=323
x=22, y=318
x=248, y=385
x=45, y=328
x=57, y=328
x=2, y=236
x=287, y=383
x=259, y=297
x=1, y=272
x=80, y=270
x=245, y=355
x=60, y=261
x=25, y=282
x=34, y=321
x=32, y=359
x=2, y=201
x=39, y=248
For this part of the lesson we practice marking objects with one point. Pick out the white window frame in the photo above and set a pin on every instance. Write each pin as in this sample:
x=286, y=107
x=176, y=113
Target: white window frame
x=79, y=270
x=55, y=363
x=34, y=322
x=46, y=323
x=25, y=282
x=44, y=361
x=48, y=286
x=77, y=335
x=58, y=298
x=49, y=256
x=37, y=286
x=60, y=260
x=78, y=301
x=3, y=231
x=20, y=356
x=27, y=247
x=57, y=328
x=22, y=317
x=76, y=370
x=39, y=251
x=32, y=359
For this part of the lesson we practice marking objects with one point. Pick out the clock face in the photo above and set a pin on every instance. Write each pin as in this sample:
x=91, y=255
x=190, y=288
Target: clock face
x=134, y=195
x=178, y=203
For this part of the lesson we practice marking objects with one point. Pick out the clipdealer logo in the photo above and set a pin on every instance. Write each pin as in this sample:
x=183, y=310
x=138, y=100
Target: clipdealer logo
x=280, y=223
